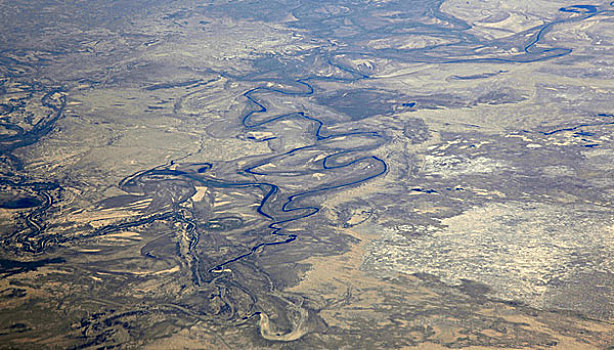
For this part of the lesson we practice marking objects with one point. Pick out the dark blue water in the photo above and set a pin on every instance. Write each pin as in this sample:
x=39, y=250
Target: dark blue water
x=275, y=206
x=21, y=203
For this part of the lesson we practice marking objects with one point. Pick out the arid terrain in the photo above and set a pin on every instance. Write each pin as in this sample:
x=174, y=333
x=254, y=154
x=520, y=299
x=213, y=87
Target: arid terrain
x=292, y=174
